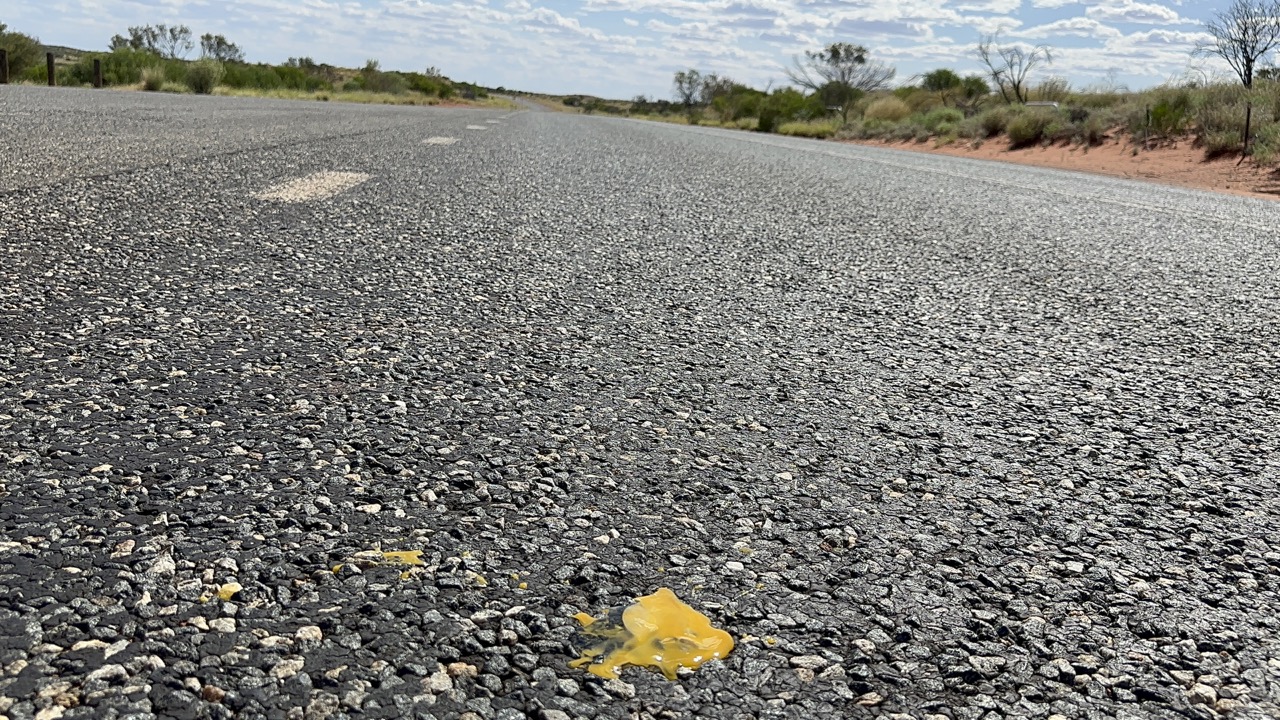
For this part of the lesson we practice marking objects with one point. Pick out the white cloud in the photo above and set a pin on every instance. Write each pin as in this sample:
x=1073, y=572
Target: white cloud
x=1129, y=11
x=1076, y=26
x=1002, y=7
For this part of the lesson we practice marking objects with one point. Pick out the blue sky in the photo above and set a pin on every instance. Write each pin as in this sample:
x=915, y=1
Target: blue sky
x=621, y=48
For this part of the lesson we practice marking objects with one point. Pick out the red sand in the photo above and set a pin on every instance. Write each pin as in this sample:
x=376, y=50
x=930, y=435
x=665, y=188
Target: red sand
x=1172, y=163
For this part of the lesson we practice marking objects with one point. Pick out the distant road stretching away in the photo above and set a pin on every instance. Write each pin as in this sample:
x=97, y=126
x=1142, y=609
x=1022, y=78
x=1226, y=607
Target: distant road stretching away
x=930, y=437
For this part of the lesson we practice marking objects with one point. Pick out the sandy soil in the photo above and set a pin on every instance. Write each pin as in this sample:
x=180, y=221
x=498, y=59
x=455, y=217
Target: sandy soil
x=1174, y=163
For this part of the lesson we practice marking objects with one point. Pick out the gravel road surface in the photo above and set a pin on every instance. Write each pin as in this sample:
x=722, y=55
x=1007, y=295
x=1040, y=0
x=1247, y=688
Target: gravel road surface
x=931, y=438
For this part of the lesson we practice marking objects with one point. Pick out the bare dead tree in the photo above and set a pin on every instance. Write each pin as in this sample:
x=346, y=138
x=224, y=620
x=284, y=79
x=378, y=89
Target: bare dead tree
x=842, y=73
x=1244, y=34
x=1009, y=65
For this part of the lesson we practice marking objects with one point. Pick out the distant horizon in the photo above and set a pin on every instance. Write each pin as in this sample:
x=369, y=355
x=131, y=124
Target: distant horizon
x=618, y=49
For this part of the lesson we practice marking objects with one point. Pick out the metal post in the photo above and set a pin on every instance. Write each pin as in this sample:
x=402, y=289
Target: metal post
x=97, y=72
x=48, y=65
x=4, y=66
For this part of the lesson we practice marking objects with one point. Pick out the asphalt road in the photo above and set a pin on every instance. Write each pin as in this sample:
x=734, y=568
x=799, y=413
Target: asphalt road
x=931, y=438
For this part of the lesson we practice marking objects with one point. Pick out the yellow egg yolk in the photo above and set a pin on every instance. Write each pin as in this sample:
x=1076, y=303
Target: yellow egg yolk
x=659, y=631
x=404, y=557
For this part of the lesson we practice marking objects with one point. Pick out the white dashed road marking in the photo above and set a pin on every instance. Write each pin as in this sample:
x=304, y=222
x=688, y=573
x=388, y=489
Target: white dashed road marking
x=494, y=122
x=477, y=127
x=317, y=186
x=440, y=140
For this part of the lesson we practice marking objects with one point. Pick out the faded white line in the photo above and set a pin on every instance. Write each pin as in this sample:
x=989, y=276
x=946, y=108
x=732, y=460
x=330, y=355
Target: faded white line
x=317, y=186
x=494, y=122
x=440, y=140
x=477, y=127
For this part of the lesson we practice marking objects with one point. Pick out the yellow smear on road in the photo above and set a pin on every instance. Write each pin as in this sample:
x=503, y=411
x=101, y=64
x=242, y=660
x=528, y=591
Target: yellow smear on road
x=404, y=557
x=659, y=631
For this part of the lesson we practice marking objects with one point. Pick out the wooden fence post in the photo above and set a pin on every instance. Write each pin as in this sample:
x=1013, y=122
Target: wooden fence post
x=4, y=66
x=97, y=72
x=48, y=65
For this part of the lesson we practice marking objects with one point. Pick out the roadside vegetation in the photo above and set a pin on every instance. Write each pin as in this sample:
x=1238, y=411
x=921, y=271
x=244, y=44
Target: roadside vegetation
x=841, y=92
x=157, y=58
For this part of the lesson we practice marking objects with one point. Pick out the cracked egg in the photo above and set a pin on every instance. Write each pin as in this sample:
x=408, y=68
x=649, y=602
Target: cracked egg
x=657, y=630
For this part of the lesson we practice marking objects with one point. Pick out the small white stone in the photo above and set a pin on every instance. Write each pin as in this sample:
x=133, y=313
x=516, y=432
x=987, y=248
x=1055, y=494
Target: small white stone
x=287, y=668
x=223, y=625
x=618, y=688
x=438, y=682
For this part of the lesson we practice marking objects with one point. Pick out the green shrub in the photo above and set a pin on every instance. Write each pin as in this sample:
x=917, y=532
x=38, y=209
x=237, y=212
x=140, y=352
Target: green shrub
x=175, y=87
x=1059, y=131
x=945, y=129
x=923, y=102
x=867, y=129
x=809, y=129
x=25, y=52
x=769, y=119
x=1169, y=113
x=1104, y=99
x=1092, y=131
x=124, y=67
x=268, y=77
x=906, y=131
x=153, y=78
x=1053, y=89
x=942, y=116
x=1219, y=143
x=996, y=120
x=204, y=75
x=888, y=108
x=428, y=84
x=1212, y=119
x=1266, y=145
x=971, y=128
x=33, y=74
x=1028, y=129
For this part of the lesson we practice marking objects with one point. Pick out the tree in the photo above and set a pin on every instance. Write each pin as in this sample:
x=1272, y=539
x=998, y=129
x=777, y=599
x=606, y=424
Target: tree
x=841, y=73
x=219, y=48
x=1009, y=65
x=973, y=91
x=688, y=89
x=175, y=41
x=940, y=80
x=168, y=41
x=945, y=83
x=24, y=50
x=1244, y=35
x=713, y=87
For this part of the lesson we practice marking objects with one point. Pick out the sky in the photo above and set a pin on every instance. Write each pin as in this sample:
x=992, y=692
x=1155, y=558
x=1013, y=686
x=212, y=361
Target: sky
x=623, y=48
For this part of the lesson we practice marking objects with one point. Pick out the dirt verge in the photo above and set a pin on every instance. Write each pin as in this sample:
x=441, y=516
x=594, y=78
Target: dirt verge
x=1175, y=163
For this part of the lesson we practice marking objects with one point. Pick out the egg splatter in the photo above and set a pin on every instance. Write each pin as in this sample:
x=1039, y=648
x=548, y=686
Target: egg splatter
x=403, y=557
x=228, y=591
x=658, y=630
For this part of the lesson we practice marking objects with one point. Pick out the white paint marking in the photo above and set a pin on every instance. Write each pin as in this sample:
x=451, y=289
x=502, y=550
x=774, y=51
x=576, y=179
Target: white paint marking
x=494, y=122
x=317, y=186
x=477, y=127
x=440, y=140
